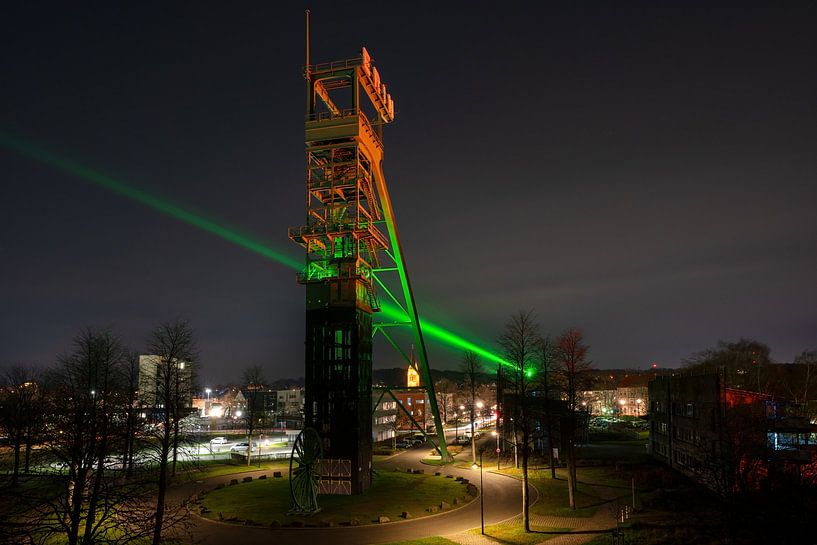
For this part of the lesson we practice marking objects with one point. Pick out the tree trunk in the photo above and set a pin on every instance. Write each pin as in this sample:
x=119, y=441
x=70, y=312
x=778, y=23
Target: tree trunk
x=473, y=439
x=162, y=490
x=27, y=463
x=550, y=449
x=127, y=456
x=473, y=380
x=77, y=499
x=249, y=447
x=549, y=428
x=165, y=452
x=571, y=474
x=15, y=475
x=175, y=443
x=515, y=445
x=525, y=491
x=90, y=517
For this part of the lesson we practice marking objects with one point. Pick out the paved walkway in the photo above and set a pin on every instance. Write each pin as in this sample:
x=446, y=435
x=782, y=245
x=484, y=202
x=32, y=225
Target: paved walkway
x=504, y=492
x=503, y=508
x=582, y=529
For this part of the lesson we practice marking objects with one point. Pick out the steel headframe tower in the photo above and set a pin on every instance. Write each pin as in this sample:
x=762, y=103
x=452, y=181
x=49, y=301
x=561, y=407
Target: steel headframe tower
x=351, y=244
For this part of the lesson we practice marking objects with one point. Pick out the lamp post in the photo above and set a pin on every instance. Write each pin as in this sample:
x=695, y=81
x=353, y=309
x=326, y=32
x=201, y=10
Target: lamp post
x=481, y=495
x=498, y=450
x=480, y=405
x=456, y=426
x=462, y=410
x=207, y=405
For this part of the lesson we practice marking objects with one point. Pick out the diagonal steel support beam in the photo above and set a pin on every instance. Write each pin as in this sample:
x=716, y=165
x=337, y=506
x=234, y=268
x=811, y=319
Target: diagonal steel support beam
x=377, y=404
x=396, y=347
x=408, y=295
x=389, y=293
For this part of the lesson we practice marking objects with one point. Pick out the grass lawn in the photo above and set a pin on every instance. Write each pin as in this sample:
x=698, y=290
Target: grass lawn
x=515, y=534
x=432, y=462
x=553, y=497
x=392, y=493
x=436, y=540
x=204, y=470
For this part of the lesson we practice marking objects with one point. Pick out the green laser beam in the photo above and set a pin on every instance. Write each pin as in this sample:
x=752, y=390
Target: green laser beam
x=442, y=335
x=388, y=310
x=165, y=207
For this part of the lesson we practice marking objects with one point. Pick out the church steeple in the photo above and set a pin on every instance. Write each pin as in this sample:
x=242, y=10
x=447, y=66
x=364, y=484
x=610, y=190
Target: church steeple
x=412, y=374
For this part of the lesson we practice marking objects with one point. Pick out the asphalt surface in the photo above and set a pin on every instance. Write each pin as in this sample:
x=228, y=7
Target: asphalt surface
x=502, y=500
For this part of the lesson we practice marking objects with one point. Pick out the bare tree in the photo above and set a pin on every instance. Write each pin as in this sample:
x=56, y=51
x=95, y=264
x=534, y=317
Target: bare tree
x=573, y=368
x=520, y=343
x=174, y=350
x=444, y=390
x=471, y=368
x=87, y=397
x=807, y=360
x=21, y=413
x=85, y=401
x=253, y=384
x=744, y=364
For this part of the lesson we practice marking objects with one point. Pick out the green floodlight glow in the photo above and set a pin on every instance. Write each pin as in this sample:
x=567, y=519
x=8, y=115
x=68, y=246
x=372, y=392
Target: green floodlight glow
x=389, y=311
x=442, y=335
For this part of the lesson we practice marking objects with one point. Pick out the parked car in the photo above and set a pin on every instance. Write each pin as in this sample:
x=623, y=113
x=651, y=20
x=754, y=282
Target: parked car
x=404, y=443
x=58, y=465
x=218, y=441
x=242, y=447
x=462, y=440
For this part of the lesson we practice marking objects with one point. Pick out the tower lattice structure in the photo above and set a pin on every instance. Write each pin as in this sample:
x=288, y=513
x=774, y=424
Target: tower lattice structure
x=351, y=242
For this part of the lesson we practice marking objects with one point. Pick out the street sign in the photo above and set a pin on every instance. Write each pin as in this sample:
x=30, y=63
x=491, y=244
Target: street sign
x=498, y=451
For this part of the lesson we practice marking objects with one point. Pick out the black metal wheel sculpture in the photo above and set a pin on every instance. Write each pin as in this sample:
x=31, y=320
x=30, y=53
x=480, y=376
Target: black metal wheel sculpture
x=304, y=477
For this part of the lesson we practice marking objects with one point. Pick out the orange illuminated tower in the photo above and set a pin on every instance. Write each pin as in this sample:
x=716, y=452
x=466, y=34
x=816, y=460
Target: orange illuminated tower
x=351, y=243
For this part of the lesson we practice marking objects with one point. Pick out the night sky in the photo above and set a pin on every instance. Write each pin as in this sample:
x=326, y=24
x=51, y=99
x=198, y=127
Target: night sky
x=645, y=171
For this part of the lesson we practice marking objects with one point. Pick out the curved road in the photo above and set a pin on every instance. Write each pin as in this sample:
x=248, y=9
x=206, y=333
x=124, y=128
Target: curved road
x=502, y=501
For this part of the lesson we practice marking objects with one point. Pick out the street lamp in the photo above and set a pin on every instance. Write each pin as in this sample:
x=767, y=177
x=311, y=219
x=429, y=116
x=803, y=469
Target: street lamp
x=207, y=405
x=498, y=450
x=462, y=411
x=480, y=405
x=481, y=494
